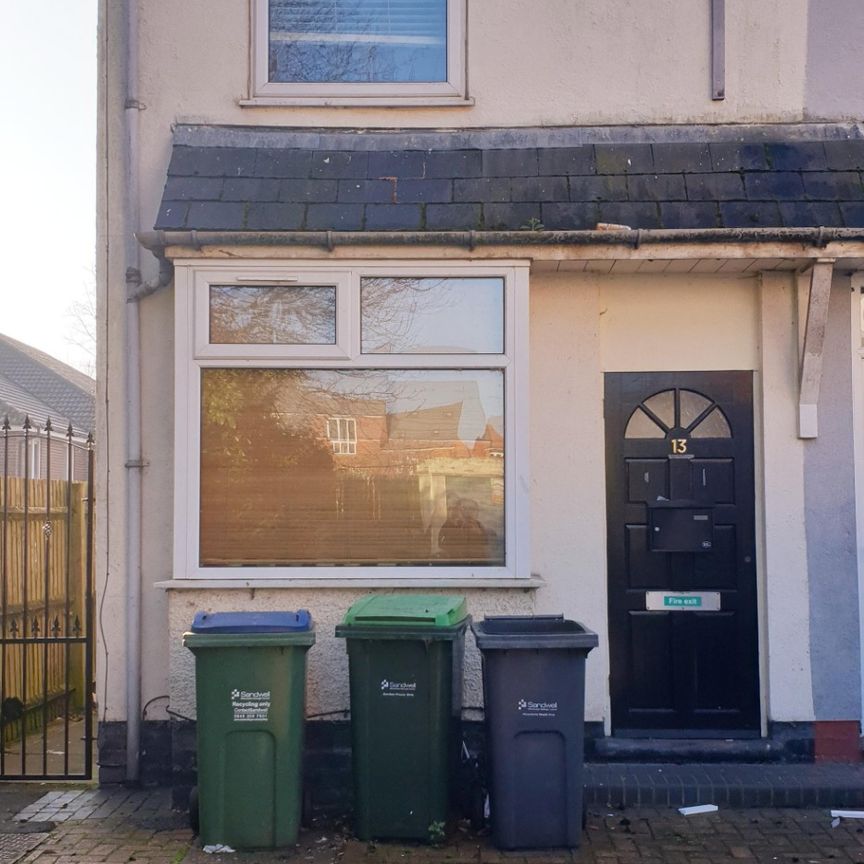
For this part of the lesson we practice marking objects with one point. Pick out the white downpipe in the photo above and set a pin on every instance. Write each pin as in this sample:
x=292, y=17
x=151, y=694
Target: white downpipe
x=134, y=460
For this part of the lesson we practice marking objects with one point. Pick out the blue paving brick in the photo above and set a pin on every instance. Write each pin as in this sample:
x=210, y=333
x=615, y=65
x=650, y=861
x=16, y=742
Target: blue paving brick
x=454, y=163
x=813, y=214
x=334, y=217
x=623, y=158
x=172, y=215
x=274, y=217
x=566, y=160
x=714, y=187
x=833, y=185
x=733, y=156
x=853, y=214
x=318, y=191
x=212, y=162
x=569, y=217
x=673, y=158
x=439, y=191
x=510, y=163
x=194, y=188
x=367, y=191
x=511, y=217
x=689, y=214
x=494, y=189
x=606, y=188
x=632, y=214
x=453, y=217
x=405, y=163
x=394, y=217
x=282, y=163
x=250, y=189
x=797, y=155
x=773, y=185
x=750, y=214
x=539, y=189
x=656, y=187
x=845, y=155
x=215, y=215
x=338, y=164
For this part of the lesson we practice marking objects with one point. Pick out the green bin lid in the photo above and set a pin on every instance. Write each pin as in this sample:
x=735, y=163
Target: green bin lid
x=416, y=610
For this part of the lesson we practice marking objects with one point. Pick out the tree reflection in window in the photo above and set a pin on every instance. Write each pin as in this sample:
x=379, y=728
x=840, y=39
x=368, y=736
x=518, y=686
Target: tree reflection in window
x=273, y=314
x=684, y=411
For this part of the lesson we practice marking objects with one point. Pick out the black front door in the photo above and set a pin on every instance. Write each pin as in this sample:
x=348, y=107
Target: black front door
x=681, y=553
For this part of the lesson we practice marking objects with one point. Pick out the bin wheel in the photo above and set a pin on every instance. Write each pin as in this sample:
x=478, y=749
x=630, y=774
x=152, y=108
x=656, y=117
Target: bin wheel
x=306, y=808
x=194, y=818
x=478, y=807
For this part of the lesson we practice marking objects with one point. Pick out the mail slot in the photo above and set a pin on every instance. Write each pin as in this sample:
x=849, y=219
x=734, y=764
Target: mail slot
x=676, y=527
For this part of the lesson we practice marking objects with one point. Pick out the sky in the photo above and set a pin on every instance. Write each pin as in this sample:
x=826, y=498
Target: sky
x=48, y=164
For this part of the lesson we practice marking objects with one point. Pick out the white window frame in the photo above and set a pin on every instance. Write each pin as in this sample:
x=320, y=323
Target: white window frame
x=192, y=281
x=266, y=92
x=343, y=445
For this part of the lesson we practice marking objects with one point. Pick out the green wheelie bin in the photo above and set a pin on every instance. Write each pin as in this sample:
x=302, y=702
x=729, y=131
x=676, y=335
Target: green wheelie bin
x=250, y=677
x=405, y=663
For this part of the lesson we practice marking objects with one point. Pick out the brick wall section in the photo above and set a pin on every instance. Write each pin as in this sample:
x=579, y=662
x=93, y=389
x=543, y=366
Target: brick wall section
x=669, y=185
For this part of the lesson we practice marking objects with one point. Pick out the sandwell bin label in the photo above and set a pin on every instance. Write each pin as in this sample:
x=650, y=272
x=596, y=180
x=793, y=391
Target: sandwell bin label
x=250, y=706
x=405, y=689
x=528, y=708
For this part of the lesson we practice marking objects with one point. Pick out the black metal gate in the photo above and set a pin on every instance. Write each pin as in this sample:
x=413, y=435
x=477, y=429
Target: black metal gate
x=46, y=602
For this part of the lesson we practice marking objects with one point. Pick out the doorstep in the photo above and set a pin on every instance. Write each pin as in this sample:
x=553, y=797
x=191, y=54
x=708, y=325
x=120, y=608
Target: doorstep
x=726, y=784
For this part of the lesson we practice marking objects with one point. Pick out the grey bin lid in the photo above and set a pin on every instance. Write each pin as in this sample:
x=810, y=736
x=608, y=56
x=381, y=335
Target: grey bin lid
x=532, y=632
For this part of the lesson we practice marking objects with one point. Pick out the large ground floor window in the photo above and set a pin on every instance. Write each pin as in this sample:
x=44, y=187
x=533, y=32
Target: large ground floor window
x=335, y=421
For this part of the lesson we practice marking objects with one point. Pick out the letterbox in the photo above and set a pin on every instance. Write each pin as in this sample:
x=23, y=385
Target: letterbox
x=680, y=526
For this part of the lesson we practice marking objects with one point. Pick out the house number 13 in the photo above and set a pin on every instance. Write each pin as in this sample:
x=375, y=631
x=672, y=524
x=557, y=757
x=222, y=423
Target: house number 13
x=679, y=445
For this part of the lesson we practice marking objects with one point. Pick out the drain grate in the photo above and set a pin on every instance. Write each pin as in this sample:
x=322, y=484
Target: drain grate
x=14, y=846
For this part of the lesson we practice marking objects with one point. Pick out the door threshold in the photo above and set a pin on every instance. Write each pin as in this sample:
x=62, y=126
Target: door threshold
x=682, y=750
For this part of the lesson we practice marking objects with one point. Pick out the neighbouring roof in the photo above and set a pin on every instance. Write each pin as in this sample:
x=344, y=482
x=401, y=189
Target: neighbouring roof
x=250, y=179
x=37, y=385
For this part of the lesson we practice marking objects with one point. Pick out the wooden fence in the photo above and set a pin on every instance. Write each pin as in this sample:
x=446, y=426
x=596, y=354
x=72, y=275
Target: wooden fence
x=43, y=525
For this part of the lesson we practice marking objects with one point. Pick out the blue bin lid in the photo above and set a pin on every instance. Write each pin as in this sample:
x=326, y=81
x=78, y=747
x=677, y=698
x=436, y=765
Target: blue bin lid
x=252, y=622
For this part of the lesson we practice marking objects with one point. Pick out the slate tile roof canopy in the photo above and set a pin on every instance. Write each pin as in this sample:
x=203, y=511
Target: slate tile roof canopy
x=716, y=184
x=34, y=383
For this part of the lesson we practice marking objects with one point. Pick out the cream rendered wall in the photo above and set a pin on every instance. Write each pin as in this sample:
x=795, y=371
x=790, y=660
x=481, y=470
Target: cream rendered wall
x=546, y=63
x=327, y=676
x=594, y=62
x=783, y=558
x=583, y=326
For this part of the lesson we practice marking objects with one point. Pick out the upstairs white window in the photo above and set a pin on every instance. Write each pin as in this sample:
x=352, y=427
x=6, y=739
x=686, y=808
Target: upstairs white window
x=373, y=422
x=377, y=51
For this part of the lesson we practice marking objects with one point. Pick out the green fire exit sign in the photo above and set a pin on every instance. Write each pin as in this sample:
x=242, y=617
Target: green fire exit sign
x=678, y=601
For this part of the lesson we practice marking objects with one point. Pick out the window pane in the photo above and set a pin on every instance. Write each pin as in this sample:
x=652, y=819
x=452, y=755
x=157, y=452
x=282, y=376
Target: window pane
x=692, y=405
x=432, y=315
x=352, y=467
x=319, y=41
x=663, y=406
x=715, y=425
x=641, y=425
x=272, y=315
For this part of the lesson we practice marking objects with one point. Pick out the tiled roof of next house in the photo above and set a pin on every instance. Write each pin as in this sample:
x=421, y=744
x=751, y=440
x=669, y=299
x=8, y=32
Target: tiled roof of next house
x=274, y=180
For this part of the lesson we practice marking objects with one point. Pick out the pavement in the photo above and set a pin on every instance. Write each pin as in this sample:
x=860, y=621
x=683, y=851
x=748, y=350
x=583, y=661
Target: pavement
x=86, y=825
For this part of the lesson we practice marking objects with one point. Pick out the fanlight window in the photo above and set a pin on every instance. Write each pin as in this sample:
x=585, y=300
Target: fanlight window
x=695, y=414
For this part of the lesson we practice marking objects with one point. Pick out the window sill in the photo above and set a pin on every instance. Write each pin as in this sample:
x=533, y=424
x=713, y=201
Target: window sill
x=532, y=583
x=356, y=101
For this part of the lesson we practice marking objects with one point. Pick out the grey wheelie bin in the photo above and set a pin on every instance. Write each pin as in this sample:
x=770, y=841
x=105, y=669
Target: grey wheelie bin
x=405, y=666
x=534, y=689
x=250, y=676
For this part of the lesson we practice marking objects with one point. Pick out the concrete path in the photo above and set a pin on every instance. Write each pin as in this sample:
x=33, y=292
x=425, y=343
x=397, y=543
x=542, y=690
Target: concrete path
x=119, y=826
